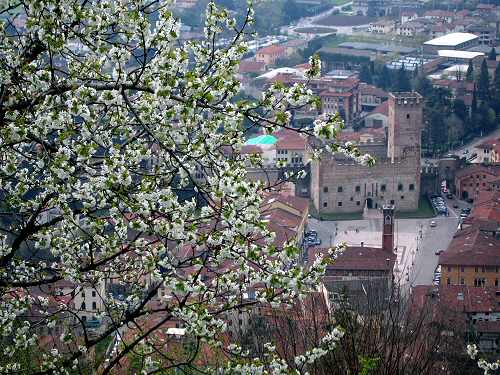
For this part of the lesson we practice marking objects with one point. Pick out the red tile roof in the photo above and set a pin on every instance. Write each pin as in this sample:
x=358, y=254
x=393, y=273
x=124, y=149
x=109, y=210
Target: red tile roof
x=487, y=207
x=358, y=258
x=335, y=94
x=271, y=50
x=382, y=109
x=492, y=170
x=290, y=140
x=366, y=89
x=472, y=247
x=247, y=66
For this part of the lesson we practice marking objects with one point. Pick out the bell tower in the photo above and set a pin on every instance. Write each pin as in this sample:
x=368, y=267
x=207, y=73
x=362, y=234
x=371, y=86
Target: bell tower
x=388, y=228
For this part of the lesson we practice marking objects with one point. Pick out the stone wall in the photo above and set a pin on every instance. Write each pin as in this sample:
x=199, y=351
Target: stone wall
x=345, y=186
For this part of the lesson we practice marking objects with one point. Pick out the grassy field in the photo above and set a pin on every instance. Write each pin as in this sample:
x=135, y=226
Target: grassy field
x=371, y=38
x=424, y=211
x=334, y=217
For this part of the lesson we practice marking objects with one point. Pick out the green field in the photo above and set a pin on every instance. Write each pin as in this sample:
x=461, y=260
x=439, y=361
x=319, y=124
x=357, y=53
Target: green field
x=334, y=217
x=338, y=2
x=424, y=211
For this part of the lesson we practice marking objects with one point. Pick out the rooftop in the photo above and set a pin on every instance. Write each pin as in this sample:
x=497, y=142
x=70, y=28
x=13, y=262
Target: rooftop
x=459, y=54
x=358, y=258
x=262, y=140
x=452, y=39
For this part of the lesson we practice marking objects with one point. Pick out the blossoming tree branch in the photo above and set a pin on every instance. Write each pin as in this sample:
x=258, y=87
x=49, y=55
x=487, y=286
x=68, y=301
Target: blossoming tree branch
x=105, y=118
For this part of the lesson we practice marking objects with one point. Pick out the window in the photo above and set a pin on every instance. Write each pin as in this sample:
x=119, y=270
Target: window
x=412, y=187
x=392, y=201
x=479, y=281
x=462, y=269
x=400, y=187
x=325, y=204
x=496, y=282
x=339, y=204
x=476, y=270
x=339, y=189
x=448, y=282
x=462, y=281
x=382, y=188
x=325, y=189
x=449, y=269
x=358, y=203
x=83, y=307
x=83, y=294
x=407, y=115
x=483, y=269
x=358, y=189
x=352, y=199
x=94, y=305
x=93, y=293
x=402, y=197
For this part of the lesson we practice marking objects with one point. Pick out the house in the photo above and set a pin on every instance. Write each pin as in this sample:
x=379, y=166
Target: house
x=379, y=117
x=382, y=27
x=363, y=272
x=291, y=148
x=472, y=258
x=463, y=311
x=486, y=34
x=371, y=96
x=439, y=15
x=489, y=151
x=252, y=67
x=474, y=178
x=294, y=45
x=269, y=55
x=407, y=16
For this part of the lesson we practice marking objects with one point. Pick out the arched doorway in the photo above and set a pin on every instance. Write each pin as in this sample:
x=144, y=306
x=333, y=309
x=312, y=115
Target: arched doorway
x=369, y=203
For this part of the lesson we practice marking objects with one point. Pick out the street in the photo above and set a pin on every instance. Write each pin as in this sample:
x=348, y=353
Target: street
x=415, y=240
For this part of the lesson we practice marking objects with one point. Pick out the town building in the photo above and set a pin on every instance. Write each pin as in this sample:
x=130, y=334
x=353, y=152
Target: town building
x=489, y=151
x=382, y=27
x=340, y=185
x=472, y=258
x=473, y=179
x=379, y=117
x=371, y=7
x=463, y=311
x=269, y=55
x=452, y=41
x=371, y=96
x=363, y=272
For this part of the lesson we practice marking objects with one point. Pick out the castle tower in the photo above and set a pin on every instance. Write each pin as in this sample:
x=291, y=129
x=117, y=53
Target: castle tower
x=388, y=228
x=405, y=125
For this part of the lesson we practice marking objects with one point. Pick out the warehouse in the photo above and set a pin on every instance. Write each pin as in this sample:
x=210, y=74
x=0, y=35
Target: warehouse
x=453, y=41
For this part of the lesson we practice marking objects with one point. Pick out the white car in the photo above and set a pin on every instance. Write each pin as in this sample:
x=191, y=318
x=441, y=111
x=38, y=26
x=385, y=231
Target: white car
x=433, y=224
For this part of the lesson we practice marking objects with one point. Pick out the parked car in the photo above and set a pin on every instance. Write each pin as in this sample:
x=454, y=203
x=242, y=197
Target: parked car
x=449, y=196
x=465, y=210
x=470, y=200
x=439, y=252
x=455, y=205
x=432, y=224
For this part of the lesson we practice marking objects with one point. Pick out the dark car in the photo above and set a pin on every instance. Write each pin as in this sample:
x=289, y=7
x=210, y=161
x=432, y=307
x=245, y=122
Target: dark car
x=470, y=200
x=449, y=196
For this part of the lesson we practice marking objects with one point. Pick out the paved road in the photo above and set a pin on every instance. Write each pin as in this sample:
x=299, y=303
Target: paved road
x=311, y=22
x=415, y=240
x=470, y=147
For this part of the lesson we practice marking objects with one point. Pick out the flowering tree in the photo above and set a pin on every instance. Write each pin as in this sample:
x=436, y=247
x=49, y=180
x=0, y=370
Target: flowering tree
x=106, y=120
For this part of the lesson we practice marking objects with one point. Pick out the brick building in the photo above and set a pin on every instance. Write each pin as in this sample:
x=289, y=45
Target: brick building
x=360, y=271
x=340, y=185
x=269, y=55
x=470, y=181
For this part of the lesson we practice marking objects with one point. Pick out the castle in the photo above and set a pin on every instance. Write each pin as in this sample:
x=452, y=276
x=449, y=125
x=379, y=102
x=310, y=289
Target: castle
x=340, y=185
